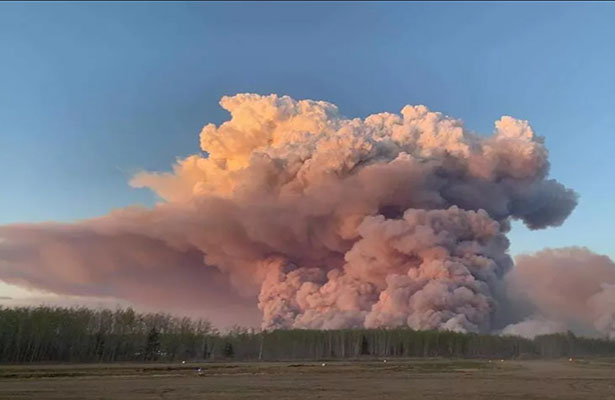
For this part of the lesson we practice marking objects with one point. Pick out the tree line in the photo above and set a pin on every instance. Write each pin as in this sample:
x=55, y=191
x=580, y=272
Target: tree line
x=55, y=334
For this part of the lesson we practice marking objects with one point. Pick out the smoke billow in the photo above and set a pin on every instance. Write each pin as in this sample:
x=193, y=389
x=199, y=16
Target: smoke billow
x=572, y=286
x=326, y=221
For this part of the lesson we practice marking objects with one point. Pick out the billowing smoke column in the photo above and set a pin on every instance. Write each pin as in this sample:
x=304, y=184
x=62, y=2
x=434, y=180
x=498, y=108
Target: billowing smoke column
x=568, y=288
x=330, y=222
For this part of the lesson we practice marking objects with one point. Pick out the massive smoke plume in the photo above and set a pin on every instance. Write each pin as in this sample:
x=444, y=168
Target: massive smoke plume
x=329, y=222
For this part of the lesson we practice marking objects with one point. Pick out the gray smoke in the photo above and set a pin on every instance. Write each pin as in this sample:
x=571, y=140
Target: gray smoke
x=327, y=222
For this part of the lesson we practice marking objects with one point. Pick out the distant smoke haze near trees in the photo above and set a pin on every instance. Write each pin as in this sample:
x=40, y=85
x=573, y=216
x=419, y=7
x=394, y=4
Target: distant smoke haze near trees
x=53, y=334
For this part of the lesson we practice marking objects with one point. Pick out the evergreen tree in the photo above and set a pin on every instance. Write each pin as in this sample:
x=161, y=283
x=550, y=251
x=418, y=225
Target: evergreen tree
x=228, y=351
x=152, y=345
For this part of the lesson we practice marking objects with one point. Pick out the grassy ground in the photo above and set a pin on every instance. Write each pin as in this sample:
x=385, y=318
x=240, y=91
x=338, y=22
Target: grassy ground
x=408, y=379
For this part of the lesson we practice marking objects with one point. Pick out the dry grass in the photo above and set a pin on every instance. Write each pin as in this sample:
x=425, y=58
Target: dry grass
x=408, y=379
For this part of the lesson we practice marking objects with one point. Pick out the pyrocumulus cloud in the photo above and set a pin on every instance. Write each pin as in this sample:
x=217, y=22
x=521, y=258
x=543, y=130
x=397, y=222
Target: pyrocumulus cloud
x=320, y=221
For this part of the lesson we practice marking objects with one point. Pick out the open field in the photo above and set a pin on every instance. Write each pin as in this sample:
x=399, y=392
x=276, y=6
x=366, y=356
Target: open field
x=408, y=379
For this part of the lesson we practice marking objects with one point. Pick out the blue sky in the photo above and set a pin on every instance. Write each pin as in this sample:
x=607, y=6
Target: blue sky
x=92, y=92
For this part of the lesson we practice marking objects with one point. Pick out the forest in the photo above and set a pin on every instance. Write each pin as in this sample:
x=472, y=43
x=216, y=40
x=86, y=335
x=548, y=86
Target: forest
x=53, y=334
